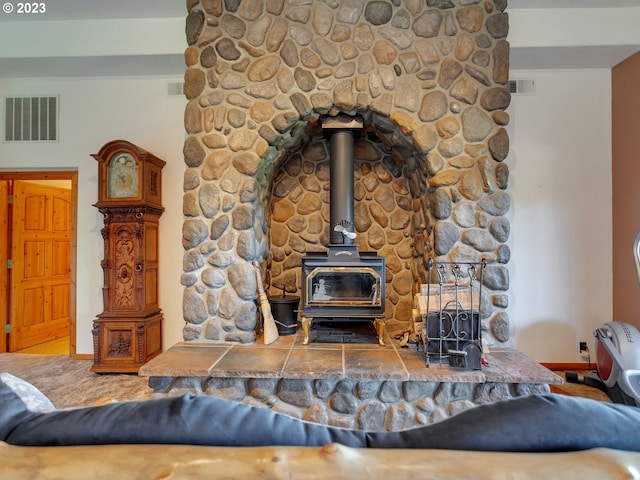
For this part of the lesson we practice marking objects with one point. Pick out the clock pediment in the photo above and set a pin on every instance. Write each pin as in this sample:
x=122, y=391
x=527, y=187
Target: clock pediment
x=128, y=175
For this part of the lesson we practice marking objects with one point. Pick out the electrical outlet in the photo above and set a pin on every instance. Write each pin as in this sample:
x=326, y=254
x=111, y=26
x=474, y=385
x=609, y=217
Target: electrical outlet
x=583, y=347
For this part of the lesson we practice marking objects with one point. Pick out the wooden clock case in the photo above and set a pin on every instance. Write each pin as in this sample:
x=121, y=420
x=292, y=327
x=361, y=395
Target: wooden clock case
x=128, y=333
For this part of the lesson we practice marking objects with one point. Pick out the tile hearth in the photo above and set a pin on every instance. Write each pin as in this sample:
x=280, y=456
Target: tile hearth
x=288, y=358
x=352, y=385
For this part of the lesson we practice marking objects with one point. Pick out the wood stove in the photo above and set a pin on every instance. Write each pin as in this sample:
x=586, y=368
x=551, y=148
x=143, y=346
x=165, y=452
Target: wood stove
x=343, y=284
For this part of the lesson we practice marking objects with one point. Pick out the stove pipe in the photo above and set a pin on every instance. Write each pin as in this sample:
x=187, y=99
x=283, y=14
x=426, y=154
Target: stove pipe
x=341, y=185
x=340, y=131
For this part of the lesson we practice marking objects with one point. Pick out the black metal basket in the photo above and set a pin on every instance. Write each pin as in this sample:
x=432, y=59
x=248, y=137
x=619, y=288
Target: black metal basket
x=450, y=331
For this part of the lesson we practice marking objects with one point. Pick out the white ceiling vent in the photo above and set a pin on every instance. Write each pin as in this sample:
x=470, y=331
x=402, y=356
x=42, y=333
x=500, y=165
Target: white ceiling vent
x=522, y=87
x=175, y=89
x=31, y=119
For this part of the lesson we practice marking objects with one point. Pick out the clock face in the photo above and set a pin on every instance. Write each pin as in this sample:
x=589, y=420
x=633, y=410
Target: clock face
x=122, y=176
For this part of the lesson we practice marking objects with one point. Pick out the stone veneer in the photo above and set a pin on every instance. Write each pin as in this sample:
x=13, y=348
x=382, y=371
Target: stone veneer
x=371, y=405
x=428, y=78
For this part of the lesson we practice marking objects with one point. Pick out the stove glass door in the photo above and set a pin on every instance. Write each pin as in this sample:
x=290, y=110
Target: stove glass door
x=340, y=286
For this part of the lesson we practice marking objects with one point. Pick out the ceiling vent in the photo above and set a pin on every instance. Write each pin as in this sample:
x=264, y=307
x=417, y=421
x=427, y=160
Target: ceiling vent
x=175, y=89
x=31, y=119
x=522, y=87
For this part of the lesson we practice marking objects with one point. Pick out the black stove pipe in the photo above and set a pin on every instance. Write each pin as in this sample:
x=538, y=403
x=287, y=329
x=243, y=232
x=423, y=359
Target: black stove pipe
x=341, y=186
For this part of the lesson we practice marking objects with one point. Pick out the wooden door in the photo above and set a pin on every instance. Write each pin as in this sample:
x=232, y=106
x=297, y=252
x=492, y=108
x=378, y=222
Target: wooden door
x=40, y=274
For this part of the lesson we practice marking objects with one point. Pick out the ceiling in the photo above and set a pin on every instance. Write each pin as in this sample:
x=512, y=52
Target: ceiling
x=172, y=64
x=588, y=55
x=572, y=3
x=103, y=9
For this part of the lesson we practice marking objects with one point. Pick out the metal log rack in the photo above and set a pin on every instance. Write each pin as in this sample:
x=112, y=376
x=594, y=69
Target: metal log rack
x=450, y=330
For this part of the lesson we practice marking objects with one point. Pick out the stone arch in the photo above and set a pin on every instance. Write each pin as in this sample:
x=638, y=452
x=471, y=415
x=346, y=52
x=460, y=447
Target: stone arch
x=388, y=189
x=430, y=84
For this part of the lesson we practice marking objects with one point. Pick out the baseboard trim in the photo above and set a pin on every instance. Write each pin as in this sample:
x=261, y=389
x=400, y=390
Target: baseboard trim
x=82, y=356
x=554, y=366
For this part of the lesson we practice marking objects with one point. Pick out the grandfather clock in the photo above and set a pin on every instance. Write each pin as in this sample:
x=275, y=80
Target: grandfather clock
x=128, y=333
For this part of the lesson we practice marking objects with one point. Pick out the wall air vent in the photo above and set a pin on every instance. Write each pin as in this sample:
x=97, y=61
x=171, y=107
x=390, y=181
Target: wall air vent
x=31, y=119
x=522, y=87
x=175, y=89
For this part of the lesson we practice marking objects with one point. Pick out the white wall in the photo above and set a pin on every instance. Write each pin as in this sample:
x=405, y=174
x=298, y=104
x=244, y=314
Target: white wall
x=94, y=111
x=560, y=181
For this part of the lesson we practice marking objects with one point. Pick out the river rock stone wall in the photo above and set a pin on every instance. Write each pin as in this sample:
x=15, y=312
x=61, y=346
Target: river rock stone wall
x=428, y=77
x=372, y=405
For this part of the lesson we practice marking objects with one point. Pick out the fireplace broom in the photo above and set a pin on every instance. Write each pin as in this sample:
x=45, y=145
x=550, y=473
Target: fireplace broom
x=270, y=331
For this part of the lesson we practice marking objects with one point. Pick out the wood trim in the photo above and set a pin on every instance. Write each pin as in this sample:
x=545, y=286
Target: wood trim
x=60, y=175
x=73, y=264
x=36, y=175
x=556, y=366
x=4, y=256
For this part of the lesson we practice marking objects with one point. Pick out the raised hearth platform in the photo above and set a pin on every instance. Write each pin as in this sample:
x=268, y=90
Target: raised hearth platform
x=351, y=385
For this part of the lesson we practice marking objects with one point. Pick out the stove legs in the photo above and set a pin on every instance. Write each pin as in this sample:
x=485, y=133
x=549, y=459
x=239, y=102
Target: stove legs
x=306, y=323
x=378, y=324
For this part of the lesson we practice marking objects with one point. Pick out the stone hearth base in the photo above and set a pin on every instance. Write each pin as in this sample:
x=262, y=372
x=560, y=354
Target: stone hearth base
x=362, y=386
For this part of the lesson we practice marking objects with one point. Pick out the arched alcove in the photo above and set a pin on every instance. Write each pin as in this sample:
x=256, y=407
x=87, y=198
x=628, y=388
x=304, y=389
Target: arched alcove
x=388, y=212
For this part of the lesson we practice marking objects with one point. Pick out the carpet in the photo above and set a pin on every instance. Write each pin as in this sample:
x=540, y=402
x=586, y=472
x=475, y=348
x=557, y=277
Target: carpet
x=578, y=390
x=69, y=383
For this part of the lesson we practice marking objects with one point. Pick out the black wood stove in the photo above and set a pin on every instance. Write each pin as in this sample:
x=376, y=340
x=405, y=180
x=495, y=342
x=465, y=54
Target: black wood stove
x=343, y=284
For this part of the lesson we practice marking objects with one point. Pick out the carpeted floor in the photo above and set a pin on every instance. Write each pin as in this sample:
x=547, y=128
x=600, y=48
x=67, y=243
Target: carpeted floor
x=578, y=390
x=70, y=383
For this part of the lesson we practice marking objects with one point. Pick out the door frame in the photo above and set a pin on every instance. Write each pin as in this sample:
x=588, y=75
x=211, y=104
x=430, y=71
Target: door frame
x=71, y=175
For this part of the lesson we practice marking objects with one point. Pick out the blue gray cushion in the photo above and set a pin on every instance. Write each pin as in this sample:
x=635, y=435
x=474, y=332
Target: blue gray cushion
x=539, y=423
x=13, y=410
x=188, y=419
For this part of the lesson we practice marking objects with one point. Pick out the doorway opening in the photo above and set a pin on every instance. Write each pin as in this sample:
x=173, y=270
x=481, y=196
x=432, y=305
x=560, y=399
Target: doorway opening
x=38, y=217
